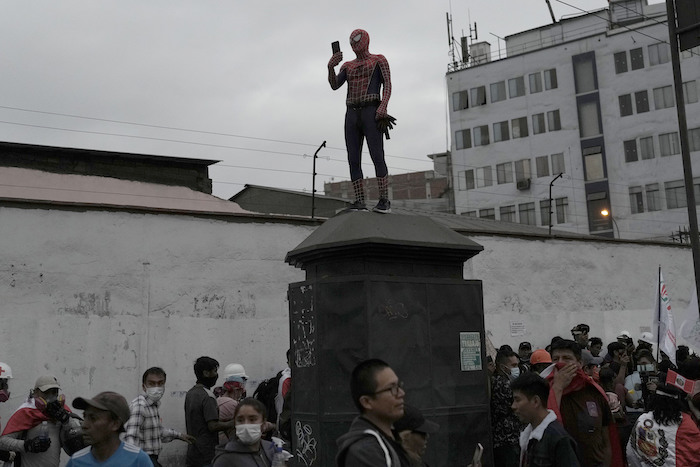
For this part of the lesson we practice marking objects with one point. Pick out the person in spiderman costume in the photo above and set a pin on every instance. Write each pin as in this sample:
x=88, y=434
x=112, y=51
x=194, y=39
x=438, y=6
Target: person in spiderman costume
x=366, y=115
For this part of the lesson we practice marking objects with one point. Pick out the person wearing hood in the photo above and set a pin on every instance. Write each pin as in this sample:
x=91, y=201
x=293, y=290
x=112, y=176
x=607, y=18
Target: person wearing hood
x=505, y=426
x=247, y=449
x=144, y=427
x=378, y=395
x=544, y=441
x=233, y=391
x=202, y=414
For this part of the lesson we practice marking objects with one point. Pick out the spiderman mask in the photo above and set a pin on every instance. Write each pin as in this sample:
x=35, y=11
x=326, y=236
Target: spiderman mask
x=359, y=42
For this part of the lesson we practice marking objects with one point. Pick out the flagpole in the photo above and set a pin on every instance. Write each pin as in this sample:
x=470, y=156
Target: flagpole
x=658, y=323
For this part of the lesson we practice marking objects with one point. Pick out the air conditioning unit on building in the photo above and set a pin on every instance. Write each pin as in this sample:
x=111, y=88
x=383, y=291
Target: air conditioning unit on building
x=523, y=184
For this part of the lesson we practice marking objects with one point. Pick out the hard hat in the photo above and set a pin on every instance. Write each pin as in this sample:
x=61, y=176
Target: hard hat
x=234, y=369
x=647, y=337
x=5, y=371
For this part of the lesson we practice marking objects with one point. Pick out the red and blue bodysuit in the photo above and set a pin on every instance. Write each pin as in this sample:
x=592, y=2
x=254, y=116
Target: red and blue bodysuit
x=366, y=76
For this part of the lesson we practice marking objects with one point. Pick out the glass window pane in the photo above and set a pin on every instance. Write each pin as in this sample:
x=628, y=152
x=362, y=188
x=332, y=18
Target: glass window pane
x=594, y=167
x=507, y=213
x=483, y=176
x=637, y=58
x=460, y=100
x=463, y=139
x=620, y=62
x=625, y=105
x=542, y=163
x=481, y=135
x=538, y=124
x=562, y=206
x=653, y=198
x=584, y=73
x=669, y=144
x=504, y=173
x=550, y=79
x=535, y=82
x=630, y=150
x=690, y=92
x=478, y=96
x=527, y=213
x=498, y=91
x=558, y=164
x=553, y=121
x=544, y=211
x=487, y=213
x=516, y=87
x=642, y=100
x=501, y=131
x=589, y=123
x=694, y=139
x=519, y=127
x=646, y=147
x=675, y=194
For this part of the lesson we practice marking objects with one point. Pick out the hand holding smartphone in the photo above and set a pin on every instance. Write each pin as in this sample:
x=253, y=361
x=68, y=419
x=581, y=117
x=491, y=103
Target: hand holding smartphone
x=335, y=47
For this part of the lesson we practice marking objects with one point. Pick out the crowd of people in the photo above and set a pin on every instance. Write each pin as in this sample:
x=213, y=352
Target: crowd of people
x=224, y=431
x=572, y=404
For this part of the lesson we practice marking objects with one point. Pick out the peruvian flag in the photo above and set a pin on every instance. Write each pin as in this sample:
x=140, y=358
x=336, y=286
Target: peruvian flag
x=663, y=320
x=680, y=382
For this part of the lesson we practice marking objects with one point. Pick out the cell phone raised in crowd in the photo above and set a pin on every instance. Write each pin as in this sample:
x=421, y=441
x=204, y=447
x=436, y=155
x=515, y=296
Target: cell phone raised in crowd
x=335, y=46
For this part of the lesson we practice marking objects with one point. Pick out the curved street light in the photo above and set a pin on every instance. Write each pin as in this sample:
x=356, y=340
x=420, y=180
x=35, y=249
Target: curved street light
x=606, y=213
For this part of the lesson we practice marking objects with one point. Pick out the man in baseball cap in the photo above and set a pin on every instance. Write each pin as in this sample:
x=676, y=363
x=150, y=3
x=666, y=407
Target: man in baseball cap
x=413, y=430
x=105, y=416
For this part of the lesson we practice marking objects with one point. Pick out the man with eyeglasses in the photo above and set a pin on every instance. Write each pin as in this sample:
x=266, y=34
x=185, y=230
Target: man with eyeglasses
x=371, y=442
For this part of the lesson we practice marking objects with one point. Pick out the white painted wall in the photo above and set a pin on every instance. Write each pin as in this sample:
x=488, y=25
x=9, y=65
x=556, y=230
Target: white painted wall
x=96, y=297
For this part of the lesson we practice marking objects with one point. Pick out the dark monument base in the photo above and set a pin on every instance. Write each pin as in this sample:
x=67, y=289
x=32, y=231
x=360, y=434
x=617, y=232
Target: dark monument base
x=400, y=297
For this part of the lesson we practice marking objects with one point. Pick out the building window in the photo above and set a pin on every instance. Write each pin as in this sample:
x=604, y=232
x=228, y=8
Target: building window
x=504, y=173
x=508, y=213
x=646, y=147
x=620, y=62
x=519, y=126
x=544, y=211
x=535, y=82
x=553, y=120
x=642, y=100
x=466, y=180
x=625, y=105
x=584, y=73
x=481, y=135
x=562, y=206
x=669, y=144
x=542, y=163
x=696, y=190
x=527, y=213
x=558, y=164
x=636, y=200
x=463, y=139
x=589, y=119
x=550, y=79
x=469, y=213
x=484, y=177
x=690, y=92
x=690, y=52
x=630, y=150
x=501, y=131
x=593, y=164
x=498, y=91
x=659, y=53
x=522, y=169
x=637, y=58
x=663, y=97
x=460, y=100
x=478, y=95
x=675, y=194
x=538, y=124
x=516, y=87
x=653, y=198
x=487, y=213
x=694, y=139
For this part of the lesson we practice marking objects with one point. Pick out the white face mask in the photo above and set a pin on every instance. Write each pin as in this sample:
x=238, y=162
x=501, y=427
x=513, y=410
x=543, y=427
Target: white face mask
x=155, y=393
x=248, y=434
x=515, y=372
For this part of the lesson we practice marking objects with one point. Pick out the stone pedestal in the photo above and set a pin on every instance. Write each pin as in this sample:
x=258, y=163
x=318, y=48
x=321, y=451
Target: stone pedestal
x=389, y=287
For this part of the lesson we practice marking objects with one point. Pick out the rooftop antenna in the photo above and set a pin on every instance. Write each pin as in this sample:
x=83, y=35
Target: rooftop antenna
x=451, y=41
x=551, y=12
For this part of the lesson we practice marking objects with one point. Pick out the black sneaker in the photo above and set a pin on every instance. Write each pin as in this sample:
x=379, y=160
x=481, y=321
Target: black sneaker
x=358, y=206
x=383, y=206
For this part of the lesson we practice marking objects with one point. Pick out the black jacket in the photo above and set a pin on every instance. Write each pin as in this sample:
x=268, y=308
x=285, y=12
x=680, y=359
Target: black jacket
x=554, y=448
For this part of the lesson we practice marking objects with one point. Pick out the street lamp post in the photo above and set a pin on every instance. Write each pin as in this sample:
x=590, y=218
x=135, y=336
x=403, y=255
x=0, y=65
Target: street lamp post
x=606, y=213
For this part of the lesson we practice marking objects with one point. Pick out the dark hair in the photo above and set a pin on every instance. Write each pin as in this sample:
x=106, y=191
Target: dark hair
x=532, y=384
x=567, y=344
x=154, y=370
x=255, y=404
x=613, y=346
x=645, y=353
x=204, y=364
x=555, y=339
x=667, y=410
x=502, y=355
x=690, y=368
x=607, y=377
x=525, y=345
x=595, y=341
x=505, y=348
x=363, y=380
x=682, y=353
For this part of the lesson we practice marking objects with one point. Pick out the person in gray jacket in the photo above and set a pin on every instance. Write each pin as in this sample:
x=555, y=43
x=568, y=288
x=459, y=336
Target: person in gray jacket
x=378, y=395
x=246, y=449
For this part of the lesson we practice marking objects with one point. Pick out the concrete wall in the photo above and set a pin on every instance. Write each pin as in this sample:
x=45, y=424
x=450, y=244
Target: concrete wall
x=96, y=297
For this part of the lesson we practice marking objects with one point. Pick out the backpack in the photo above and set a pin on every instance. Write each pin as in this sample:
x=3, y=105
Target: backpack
x=266, y=393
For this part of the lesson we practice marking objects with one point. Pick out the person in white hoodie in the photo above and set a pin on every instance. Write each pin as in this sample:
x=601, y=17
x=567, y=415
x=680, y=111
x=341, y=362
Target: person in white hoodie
x=544, y=441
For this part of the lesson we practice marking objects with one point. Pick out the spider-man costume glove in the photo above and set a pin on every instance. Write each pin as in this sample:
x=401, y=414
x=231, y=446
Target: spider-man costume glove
x=385, y=124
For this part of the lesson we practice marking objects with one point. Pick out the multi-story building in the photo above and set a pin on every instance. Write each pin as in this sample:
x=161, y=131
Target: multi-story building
x=590, y=97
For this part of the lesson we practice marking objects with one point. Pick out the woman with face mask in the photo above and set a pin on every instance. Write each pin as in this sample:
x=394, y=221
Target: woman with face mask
x=247, y=448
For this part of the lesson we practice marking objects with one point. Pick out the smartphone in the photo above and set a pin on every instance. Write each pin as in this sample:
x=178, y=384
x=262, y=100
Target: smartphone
x=335, y=46
x=476, y=460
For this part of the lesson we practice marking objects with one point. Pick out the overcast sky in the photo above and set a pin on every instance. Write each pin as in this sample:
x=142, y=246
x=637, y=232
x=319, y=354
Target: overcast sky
x=243, y=82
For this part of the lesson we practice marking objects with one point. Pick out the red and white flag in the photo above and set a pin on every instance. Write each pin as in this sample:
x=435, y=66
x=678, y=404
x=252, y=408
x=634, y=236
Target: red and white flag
x=663, y=321
x=680, y=382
